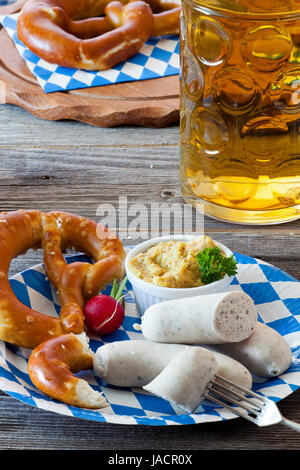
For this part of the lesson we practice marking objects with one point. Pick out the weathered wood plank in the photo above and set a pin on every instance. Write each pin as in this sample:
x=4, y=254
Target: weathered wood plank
x=73, y=166
x=24, y=427
x=89, y=166
x=41, y=190
x=33, y=131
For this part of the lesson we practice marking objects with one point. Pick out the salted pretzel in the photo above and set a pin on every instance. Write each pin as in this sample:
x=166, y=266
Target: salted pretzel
x=51, y=366
x=166, y=17
x=68, y=32
x=54, y=231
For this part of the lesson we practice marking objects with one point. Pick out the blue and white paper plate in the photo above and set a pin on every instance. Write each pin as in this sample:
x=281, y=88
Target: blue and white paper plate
x=277, y=298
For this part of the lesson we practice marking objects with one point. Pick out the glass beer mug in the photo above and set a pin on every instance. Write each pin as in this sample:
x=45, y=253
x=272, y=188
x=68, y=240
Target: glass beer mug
x=240, y=109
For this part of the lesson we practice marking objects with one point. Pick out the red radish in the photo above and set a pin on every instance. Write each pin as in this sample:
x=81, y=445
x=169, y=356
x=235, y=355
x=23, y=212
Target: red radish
x=104, y=314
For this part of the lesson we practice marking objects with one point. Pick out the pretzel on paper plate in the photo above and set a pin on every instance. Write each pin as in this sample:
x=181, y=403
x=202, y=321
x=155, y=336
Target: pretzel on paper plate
x=68, y=32
x=51, y=366
x=22, y=230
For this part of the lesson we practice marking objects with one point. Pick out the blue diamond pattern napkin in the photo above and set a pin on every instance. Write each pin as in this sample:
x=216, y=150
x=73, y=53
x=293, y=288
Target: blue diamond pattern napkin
x=277, y=298
x=159, y=57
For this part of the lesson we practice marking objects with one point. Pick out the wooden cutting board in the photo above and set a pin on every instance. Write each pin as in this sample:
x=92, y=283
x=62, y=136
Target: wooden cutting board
x=152, y=103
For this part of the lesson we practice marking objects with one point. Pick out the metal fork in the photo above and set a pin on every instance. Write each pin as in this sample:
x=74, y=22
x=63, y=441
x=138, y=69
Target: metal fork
x=257, y=409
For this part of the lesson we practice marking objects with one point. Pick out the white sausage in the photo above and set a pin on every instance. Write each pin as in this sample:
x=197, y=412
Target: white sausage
x=233, y=371
x=205, y=319
x=184, y=379
x=265, y=353
x=135, y=363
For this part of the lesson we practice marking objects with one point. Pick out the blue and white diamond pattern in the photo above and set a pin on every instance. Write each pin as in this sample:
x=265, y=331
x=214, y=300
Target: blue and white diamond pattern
x=159, y=57
x=277, y=298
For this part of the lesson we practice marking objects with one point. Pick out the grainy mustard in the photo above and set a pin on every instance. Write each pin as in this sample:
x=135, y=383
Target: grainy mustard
x=171, y=263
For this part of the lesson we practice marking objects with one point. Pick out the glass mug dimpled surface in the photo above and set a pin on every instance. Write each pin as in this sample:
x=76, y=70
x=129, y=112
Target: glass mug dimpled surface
x=240, y=109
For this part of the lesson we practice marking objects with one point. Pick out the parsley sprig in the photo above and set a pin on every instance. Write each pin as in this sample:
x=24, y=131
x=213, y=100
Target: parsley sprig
x=213, y=265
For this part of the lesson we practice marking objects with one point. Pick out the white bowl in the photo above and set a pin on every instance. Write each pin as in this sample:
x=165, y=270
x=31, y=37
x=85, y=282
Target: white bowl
x=147, y=294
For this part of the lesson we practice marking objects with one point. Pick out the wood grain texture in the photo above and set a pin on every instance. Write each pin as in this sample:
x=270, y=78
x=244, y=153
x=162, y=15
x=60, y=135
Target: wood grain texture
x=153, y=103
x=24, y=427
x=69, y=165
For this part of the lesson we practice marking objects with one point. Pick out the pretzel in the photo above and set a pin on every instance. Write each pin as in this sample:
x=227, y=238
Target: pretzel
x=166, y=22
x=165, y=19
x=22, y=230
x=50, y=368
x=66, y=32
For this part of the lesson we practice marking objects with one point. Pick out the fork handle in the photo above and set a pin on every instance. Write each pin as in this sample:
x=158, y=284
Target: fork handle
x=290, y=424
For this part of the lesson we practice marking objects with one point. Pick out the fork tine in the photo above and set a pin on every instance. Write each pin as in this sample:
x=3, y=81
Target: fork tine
x=235, y=402
x=215, y=386
x=239, y=387
x=264, y=415
x=233, y=410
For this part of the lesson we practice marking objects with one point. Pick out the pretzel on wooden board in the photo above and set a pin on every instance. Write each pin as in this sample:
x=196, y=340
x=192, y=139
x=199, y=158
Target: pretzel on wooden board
x=51, y=366
x=67, y=32
x=22, y=230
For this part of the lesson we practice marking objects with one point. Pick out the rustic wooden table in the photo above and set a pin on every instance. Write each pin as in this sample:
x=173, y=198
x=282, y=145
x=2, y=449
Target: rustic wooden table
x=75, y=167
